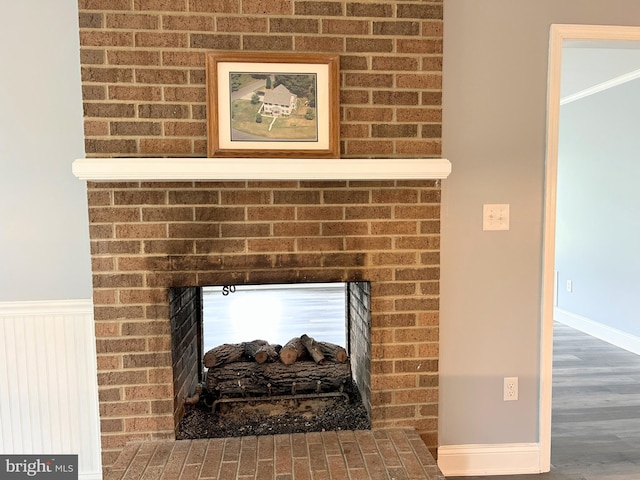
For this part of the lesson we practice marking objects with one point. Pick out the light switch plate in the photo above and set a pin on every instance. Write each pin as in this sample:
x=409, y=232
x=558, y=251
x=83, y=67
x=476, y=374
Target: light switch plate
x=495, y=216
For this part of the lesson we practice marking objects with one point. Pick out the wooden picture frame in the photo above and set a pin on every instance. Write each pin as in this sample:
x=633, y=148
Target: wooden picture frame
x=279, y=105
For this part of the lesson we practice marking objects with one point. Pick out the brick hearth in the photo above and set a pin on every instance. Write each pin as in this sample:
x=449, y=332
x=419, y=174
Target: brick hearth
x=392, y=453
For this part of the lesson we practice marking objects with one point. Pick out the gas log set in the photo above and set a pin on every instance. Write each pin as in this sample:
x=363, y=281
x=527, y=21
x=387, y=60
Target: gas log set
x=258, y=388
x=302, y=368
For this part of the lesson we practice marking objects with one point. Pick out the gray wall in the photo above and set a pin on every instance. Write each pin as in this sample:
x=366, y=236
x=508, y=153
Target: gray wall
x=494, y=111
x=598, y=230
x=44, y=240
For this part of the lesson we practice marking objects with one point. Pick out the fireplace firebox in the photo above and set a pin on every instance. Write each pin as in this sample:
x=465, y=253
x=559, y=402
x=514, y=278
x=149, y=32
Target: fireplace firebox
x=252, y=386
x=329, y=323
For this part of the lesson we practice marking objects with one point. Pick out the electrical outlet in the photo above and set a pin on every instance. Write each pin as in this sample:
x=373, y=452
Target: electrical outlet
x=569, y=286
x=510, y=390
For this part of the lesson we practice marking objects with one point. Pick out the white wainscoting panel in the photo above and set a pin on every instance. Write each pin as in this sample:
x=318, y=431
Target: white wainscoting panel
x=479, y=460
x=48, y=381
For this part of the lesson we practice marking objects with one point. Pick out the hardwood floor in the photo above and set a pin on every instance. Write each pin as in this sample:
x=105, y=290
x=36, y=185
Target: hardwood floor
x=596, y=411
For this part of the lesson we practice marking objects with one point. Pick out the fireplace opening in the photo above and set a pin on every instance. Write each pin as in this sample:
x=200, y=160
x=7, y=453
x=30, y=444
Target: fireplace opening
x=269, y=359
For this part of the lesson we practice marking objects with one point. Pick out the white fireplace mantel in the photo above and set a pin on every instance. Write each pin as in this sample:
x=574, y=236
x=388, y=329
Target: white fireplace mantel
x=213, y=169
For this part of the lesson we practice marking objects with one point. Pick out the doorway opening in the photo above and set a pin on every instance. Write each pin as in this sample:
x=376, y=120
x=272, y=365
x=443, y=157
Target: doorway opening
x=556, y=283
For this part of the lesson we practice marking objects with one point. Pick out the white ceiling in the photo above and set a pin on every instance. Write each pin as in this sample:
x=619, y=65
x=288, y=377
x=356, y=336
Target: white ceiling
x=589, y=67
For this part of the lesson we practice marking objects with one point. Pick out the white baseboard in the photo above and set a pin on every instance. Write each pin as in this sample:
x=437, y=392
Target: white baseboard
x=606, y=333
x=499, y=459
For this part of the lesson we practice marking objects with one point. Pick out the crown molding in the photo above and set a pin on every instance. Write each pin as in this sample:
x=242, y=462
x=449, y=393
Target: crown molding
x=600, y=87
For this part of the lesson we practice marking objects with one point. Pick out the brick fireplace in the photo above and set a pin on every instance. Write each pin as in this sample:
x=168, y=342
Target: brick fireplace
x=149, y=236
x=142, y=64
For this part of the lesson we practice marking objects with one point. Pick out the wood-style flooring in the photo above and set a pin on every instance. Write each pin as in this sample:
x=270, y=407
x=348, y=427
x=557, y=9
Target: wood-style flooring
x=596, y=411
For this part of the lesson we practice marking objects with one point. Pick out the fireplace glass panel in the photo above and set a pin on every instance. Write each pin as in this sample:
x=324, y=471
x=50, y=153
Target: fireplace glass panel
x=275, y=313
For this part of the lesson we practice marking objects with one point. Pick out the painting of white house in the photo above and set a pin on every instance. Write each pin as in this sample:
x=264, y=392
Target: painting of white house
x=273, y=107
x=279, y=101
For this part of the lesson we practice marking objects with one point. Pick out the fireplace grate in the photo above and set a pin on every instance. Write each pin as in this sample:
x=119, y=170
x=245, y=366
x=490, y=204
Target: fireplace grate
x=295, y=397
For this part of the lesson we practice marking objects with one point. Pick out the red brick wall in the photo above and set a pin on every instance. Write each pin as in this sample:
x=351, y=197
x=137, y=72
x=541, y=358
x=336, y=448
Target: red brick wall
x=147, y=237
x=144, y=95
x=143, y=69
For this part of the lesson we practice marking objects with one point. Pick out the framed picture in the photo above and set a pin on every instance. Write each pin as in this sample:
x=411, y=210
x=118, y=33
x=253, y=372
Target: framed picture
x=272, y=105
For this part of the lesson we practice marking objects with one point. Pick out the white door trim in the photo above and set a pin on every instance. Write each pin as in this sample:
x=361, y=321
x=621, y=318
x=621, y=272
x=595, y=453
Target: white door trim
x=559, y=33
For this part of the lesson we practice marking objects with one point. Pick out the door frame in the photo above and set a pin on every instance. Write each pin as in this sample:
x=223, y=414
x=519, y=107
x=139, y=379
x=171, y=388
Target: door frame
x=558, y=35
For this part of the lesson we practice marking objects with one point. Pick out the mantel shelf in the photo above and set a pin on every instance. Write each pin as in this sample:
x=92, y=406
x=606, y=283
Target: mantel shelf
x=213, y=169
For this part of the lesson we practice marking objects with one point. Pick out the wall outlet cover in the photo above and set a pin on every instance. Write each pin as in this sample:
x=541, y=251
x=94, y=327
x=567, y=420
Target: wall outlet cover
x=495, y=216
